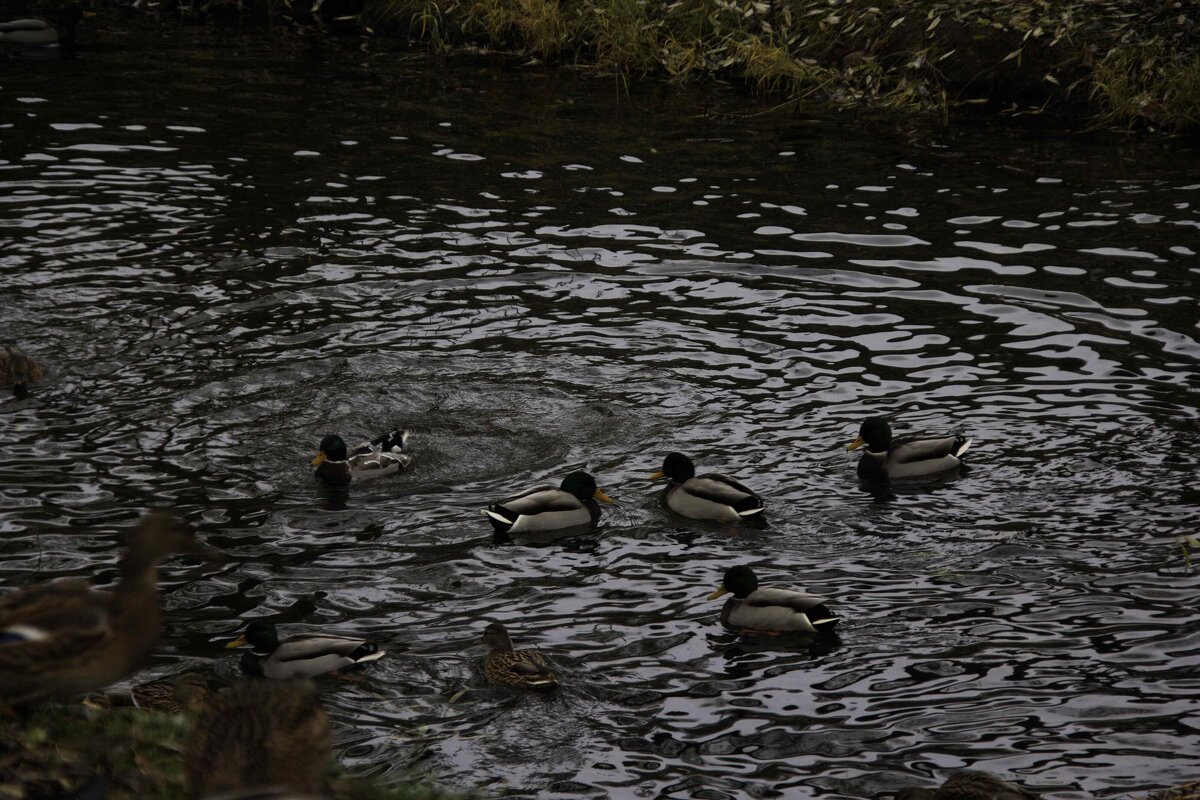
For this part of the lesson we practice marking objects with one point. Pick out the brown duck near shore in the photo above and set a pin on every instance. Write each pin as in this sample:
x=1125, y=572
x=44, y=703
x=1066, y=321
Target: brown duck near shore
x=258, y=734
x=17, y=369
x=64, y=638
x=969, y=784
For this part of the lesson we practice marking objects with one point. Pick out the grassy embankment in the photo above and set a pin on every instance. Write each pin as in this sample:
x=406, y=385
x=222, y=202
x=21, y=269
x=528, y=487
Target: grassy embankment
x=1100, y=62
x=130, y=754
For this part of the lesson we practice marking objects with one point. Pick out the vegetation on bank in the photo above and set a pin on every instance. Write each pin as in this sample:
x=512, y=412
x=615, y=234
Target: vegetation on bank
x=1103, y=62
x=132, y=754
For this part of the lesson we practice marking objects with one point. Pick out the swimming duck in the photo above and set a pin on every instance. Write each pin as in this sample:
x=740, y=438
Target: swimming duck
x=258, y=733
x=711, y=496
x=374, y=459
x=304, y=655
x=186, y=693
x=523, y=669
x=64, y=638
x=35, y=33
x=770, y=611
x=912, y=457
x=969, y=784
x=545, y=508
x=17, y=369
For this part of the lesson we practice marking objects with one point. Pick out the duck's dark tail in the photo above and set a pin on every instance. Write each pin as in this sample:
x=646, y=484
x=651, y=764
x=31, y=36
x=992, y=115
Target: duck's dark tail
x=961, y=443
x=392, y=441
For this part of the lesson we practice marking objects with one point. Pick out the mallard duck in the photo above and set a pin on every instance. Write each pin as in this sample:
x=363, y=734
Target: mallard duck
x=545, y=508
x=523, y=669
x=304, y=655
x=17, y=369
x=258, y=733
x=710, y=496
x=753, y=610
x=34, y=33
x=1184, y=791
x=911, y=457
x=65, y=638
x=373, y=459
x=969, y=784
x=186, y=693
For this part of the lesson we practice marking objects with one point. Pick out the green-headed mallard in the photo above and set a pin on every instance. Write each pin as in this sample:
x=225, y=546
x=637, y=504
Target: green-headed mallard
x=545, y=508
x=65, y=638
x=909, y=457
x=258, y=733
x=17, y=369
x=37, y=33
x=770, y=611
x=305, y=655
x=710, y=496
x=969, y=784
x=374, y=459
x=523, y=669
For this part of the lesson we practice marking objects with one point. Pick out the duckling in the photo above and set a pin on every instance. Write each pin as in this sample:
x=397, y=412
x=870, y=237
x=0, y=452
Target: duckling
x=65, y=638
x=374, y=459
x=752, y=610
x=304, y=655
x=36, y=33
x=545, y=508
x=911, y=457
x=523, y=669
x=17, y=369
x=712, y=496
x=258, y=733
x=969, y=784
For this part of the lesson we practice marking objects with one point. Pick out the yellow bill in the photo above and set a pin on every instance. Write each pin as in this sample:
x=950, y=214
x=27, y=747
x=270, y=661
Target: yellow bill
x=721, y=592
x=600, y=495
x=857, y=443
x=657, y=475
x=320, y=457
x=238, y=642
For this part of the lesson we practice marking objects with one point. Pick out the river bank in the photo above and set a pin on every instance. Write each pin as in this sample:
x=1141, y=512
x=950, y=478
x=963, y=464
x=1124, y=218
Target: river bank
x=1080, y=63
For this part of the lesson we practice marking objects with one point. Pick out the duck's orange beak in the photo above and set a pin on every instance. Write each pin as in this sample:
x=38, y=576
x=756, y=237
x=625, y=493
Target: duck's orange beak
x=600, y=495
x=657, y=475
x=238, y=642
x=720, y=592
x=320, y=457
x=857, y=443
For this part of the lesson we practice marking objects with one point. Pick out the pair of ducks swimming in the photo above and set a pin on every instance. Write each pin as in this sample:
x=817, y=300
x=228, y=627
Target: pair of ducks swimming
x=713, y=496
x=750, y=611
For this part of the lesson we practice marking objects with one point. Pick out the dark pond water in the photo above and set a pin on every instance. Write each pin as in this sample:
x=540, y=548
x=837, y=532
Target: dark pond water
x=225, y=250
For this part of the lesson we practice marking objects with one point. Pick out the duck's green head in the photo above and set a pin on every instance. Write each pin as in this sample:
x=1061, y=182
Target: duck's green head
x=740, y=581
x=875, y=433
x=260, y=635
x=332, y=449
x=677, y=467
x=583, y=486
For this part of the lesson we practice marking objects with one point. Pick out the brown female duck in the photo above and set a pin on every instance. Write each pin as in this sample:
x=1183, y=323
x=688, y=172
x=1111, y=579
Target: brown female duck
x=65, y=638
x=257, y=734
x=522, y=669
x=17, y=369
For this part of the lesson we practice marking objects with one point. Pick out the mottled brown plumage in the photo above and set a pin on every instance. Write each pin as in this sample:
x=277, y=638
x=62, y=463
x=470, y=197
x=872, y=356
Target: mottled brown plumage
x=65, y=638
x=258, y=733
x=1184, y=791
x=185, y=694
x=969, y=784
x=522, y=669
x=17, y=369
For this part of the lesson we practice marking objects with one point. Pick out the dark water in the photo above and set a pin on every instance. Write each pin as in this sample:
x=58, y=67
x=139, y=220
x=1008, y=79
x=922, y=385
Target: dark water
x=225, y=251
